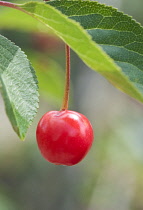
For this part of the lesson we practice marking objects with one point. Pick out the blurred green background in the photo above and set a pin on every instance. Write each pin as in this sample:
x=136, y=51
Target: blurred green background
x=111, y=176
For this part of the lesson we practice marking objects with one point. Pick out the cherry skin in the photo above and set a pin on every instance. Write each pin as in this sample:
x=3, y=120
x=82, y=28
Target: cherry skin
x=64, y=137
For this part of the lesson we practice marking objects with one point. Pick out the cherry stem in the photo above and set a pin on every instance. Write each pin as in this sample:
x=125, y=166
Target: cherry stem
x=67, y=83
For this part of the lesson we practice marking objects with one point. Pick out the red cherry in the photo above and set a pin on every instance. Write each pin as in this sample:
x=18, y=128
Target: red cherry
x=64, y=137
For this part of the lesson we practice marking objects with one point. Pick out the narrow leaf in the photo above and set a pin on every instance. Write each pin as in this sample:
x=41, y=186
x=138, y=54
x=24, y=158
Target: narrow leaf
x=18, y=85
x=16, y=20
x=119, y=35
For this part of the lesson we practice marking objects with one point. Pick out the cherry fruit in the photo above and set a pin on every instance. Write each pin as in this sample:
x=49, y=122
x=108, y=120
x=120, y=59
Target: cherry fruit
x=64, y=137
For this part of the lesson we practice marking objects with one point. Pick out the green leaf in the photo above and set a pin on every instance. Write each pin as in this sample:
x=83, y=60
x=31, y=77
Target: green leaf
x=18, y=85
x=119, y=35
x=16, y=20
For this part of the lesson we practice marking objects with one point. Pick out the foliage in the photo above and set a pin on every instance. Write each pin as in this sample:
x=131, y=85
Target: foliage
x=106, y=40
x=18, y=86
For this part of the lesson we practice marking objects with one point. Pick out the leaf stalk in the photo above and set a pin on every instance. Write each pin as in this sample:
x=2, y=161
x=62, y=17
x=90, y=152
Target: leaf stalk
x=9, y=4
